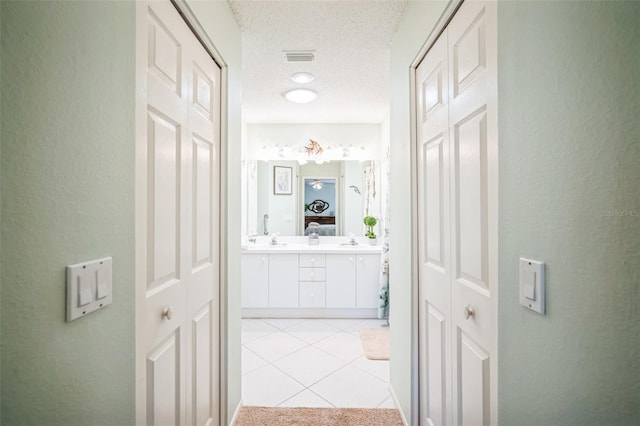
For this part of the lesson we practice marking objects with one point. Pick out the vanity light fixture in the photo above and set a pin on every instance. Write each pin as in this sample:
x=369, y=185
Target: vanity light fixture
x=302, y=77
x=300, y=96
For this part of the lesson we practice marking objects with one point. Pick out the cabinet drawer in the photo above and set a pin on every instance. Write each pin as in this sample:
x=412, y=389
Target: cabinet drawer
x=312, y=260
x=311, y=274
x=312, y=295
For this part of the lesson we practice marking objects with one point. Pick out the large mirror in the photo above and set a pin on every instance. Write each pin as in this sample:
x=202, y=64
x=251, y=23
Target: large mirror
x=329, y=198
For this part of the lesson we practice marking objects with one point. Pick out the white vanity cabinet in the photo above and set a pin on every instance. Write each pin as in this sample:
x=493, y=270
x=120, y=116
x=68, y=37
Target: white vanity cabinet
x=341, y=280
x=353, y=280
x=367, y=280
x=255, y=280
x=310, y=282
x=283, y=280
x=312, y=275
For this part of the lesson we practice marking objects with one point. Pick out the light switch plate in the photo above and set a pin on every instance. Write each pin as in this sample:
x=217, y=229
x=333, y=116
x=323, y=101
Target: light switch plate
x=89, y=286
x=532, y=285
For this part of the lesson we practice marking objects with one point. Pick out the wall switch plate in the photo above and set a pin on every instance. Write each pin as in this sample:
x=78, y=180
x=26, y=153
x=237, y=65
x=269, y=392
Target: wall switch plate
x=89, y=287
x=532, y=285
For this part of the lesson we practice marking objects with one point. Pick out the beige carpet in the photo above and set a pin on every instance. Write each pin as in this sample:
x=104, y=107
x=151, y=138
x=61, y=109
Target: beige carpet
x=276, y=416
x=375, y=342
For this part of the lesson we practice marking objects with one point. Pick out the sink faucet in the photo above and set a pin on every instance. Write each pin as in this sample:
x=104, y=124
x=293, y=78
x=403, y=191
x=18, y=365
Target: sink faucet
x=352, y=241
x=274, y=239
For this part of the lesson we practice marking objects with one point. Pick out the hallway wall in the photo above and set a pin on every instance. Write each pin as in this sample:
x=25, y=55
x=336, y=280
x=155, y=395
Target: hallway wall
x=569, y=195
x=67, y=196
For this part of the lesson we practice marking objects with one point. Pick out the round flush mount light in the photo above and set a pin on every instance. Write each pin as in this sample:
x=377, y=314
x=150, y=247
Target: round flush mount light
x=300, y=96
x=302, y=77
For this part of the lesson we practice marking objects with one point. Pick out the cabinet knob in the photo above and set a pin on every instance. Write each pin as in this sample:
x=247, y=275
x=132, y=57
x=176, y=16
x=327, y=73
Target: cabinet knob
x=360, y=259
x=312, y=260
x=350, y=258
x=264, y=258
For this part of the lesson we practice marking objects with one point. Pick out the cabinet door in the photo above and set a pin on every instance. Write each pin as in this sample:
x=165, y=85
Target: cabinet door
x=255, y=280
x=283, y=280
x=367, y=280
x=312, y=295
x=341, y=280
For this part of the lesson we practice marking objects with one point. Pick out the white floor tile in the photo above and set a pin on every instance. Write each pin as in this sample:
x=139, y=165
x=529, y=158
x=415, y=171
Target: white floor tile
x=251, y=361
x=306, y=398
x=254, y=328
x=351, y=387
x=368, y=323
x=267, y=386
x=282, y=323
x=308, y=365
x=376, y=368
x=342, y=323
x=387, y=403
x=275, y=345
x=311, y=363
x=343, y=345
x=311, y=330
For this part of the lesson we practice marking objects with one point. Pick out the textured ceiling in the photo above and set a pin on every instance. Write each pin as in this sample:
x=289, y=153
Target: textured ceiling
x=351, y=42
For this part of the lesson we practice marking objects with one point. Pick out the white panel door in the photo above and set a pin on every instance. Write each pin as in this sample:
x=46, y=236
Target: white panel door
x=458, y=208
x=434, y=236
x=177, y=223
x=474, y=202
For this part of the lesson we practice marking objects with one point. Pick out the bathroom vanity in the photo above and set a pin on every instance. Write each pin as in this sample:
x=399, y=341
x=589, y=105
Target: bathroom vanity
x=293, y=279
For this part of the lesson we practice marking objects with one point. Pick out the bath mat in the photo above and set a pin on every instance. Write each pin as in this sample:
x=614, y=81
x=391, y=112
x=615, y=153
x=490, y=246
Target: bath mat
x=277, y=416
x=375, y=342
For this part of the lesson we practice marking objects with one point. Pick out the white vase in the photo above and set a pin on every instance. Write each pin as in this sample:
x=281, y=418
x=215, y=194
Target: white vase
x=373, y=241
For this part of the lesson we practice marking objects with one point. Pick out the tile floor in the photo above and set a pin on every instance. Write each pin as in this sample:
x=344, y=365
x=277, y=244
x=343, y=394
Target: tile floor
x=311, y=363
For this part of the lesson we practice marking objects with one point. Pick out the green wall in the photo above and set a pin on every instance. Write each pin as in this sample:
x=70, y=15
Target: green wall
x=67, y=196
x=569, y=91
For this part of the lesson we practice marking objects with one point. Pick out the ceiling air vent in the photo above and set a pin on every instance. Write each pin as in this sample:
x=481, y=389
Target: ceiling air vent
x=298, y=55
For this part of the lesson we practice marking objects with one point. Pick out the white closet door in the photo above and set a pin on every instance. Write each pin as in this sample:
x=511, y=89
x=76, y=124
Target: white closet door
x=177, y=223
x=458, y=202
x=434, y=236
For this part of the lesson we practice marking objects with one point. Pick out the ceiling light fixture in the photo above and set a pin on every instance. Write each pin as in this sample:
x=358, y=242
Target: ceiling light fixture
x=302, y=77
x=317, y=185
x=301, y=96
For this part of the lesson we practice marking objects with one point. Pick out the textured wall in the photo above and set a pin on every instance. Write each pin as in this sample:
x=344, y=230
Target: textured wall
x=67, y=197
x=417, y=22
x=569, y=195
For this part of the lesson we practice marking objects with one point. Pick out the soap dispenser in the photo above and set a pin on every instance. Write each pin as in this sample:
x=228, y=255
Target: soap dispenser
x=314, y=239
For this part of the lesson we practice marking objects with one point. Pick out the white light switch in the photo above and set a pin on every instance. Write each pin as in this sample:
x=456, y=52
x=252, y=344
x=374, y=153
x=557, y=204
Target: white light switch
x=88, y=287
x=532, y=285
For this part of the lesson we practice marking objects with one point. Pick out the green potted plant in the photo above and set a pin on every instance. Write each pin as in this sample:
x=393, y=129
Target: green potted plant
x=370, y=222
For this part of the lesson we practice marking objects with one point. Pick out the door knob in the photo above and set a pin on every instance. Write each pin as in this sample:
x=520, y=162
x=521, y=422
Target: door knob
x=167, y=313
x=468, y=312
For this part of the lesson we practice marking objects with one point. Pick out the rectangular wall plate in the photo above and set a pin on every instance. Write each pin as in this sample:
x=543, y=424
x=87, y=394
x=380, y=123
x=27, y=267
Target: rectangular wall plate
x=532, y=285
x=89, y=287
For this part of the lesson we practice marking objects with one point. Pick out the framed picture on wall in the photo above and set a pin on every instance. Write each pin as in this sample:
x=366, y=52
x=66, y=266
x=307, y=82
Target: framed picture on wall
x=282, y=181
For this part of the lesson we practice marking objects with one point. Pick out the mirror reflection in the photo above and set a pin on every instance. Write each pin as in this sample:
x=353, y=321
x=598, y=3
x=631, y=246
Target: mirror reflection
x=329, y=198
x=319, y=206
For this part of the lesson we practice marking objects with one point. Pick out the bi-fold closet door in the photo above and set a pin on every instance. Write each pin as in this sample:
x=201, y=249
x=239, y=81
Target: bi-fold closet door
x=457, y=221
x=177, y=222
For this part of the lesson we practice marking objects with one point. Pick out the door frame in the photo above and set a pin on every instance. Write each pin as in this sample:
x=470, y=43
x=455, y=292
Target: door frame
x=201, y=35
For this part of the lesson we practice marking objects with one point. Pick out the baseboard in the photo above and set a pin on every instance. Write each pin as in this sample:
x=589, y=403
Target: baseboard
x=397, y=404
x=235, y=414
